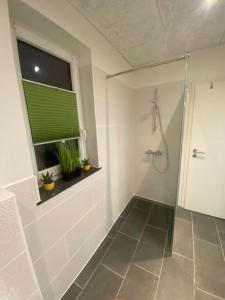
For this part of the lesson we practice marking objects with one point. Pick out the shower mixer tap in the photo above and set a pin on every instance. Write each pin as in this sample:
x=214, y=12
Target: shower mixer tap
x=151, y=152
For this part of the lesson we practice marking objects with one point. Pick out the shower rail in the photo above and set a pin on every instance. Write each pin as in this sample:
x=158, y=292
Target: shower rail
x=151, y=65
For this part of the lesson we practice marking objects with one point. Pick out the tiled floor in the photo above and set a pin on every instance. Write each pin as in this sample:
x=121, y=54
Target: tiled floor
x=133, y=262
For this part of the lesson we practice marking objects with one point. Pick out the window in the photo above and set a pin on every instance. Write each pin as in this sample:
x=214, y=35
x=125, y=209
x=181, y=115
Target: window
x=50, y=100
x=40, y=66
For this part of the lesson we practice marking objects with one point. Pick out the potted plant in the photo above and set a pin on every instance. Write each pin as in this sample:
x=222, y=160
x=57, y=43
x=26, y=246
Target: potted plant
x=48, y=182
x=86, y=164
x=69, y=160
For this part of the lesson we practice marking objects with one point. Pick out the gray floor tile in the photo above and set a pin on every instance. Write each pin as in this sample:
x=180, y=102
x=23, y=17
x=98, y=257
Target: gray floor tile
x=209, y=268
x=200, y=295
x=116, y=227
x=120, y=253
x=183, y=214
x=176, y=282
x=135, y=223
x=220, y=224
x=160, y=216
x=88, y=270
x=128, y=208
x=138, y=285
x=72, y=292
x=205, y=228
x=143, y=204
x=103, y=285
x=183, y=240
x=150, y=250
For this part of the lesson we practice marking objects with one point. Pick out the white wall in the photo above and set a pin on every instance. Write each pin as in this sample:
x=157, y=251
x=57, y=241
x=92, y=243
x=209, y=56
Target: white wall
x=204, y=65
x=121, y=143
x=62, y=14
x=150, y=183
x=14, y=159
x=63, y=233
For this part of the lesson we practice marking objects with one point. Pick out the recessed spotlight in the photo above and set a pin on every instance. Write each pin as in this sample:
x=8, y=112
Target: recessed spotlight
x=36, y=69
x=209, y=3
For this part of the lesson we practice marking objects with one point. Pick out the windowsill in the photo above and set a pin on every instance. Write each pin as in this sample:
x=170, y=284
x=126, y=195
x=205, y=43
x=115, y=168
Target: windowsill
x=61, y=185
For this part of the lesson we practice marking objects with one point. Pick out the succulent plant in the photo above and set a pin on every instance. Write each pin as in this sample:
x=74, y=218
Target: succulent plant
x=47, y=178
x=85, y=162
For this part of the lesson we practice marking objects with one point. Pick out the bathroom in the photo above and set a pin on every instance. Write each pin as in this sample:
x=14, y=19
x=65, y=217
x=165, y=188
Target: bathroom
x=149, y=83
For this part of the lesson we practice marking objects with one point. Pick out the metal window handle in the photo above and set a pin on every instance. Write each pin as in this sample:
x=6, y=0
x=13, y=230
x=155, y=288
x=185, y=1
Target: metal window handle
x=83, y=134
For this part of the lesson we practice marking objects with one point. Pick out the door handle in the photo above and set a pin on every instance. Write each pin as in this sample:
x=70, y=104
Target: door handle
x=196, y=153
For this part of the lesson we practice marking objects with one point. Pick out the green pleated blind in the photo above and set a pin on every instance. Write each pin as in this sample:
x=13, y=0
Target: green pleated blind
x=52, y=112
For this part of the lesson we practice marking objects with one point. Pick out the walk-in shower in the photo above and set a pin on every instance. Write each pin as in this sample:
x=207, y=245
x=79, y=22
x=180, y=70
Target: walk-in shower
x=150, y=131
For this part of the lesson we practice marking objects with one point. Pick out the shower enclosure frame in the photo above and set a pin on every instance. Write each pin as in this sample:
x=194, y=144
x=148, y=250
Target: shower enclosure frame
x=186, y=58
x=151, y=65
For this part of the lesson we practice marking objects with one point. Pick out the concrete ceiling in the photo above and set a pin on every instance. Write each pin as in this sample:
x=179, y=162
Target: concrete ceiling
x=148, y=30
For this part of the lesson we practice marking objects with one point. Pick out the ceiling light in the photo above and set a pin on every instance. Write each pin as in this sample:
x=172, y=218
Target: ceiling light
x=209, y=3
x=36, y=69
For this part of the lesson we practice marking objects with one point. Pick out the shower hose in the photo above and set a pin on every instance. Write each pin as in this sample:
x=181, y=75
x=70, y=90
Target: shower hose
x=157, y=113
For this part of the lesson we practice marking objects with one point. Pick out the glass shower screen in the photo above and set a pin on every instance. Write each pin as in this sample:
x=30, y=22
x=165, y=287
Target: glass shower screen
x=145, y=111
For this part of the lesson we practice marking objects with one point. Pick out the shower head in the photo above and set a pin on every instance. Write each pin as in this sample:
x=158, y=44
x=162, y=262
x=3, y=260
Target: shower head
x=154, y=100
x=156, y=93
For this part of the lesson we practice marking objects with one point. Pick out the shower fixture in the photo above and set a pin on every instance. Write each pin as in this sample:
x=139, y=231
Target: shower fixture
x=154, y=110
x=156, y=115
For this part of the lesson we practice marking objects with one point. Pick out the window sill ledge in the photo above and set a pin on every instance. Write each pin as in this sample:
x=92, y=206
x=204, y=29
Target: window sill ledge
x=62, y=185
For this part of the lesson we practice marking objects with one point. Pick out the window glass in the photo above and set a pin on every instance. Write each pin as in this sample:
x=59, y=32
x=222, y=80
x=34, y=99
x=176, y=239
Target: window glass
x=42, y=67
x=46, y=156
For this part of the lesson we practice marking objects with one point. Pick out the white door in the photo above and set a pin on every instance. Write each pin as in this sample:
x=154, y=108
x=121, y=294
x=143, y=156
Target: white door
x=205, y=190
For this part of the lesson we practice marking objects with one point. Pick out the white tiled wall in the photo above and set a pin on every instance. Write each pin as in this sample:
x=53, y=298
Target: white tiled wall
x=51, y=263
x=43, y=233
x=80, y=232
x=65, y=232
x=11, y=240
x=151, y=184
x=27, y=196
x=74, y=265
x=18, y=280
